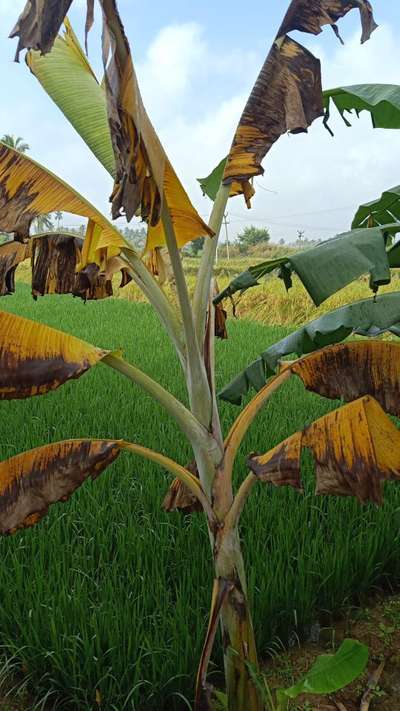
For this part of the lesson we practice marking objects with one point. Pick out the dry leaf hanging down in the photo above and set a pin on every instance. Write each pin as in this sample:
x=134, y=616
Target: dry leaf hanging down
x=355, y=448
x=30, y=482
x=39, y=23
x=11, y=255
x=54, y=261
x=144, y=175
x=179, y=498
x=287, y=95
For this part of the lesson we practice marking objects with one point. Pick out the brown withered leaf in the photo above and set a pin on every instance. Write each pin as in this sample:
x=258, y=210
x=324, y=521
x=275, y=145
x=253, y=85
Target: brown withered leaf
x=220, y=316
x=356, y=449
x=287, y=95
x=38, y=25
x=311, y=15
x=11, y=255
x=180, y=498
x=91, y=284
x=347, y=371
x=144, y=174
x=54, y=261
x=30, y=482
x=35, y=359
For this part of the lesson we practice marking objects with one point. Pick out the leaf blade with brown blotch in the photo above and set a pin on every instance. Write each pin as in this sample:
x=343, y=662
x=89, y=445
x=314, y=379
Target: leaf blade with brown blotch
x=350, y=370
x=287, y=95
x=30, y=482
x=356, y=449
x=35, y=358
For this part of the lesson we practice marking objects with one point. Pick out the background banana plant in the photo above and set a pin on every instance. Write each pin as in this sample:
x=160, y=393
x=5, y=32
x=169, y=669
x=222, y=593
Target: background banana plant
x=355, y=448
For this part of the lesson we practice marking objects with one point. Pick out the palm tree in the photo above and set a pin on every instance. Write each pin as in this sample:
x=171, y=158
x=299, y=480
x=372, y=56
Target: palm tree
x=15, y=142
x=43, y=223
x=58, y=216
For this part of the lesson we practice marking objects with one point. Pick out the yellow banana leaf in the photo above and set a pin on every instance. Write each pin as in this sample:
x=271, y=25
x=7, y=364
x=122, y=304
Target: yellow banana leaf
x=346, y=371
x=27, y=190
x=356, y=449
x=30, y=482
x=35, y=358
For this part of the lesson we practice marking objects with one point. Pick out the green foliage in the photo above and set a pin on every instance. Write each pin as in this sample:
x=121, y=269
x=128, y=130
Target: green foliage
x=381, y=211
x=252, y=237
x=369, y=317
x=330, y=673
x=328, y=267
x=69, y=618
x=382, y=101
x=211, y=183
x=15, y=142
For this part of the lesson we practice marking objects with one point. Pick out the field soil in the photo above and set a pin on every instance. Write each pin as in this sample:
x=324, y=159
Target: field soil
x=377, y=626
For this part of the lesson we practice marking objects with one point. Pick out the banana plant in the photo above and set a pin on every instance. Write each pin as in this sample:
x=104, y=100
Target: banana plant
x=355, y=448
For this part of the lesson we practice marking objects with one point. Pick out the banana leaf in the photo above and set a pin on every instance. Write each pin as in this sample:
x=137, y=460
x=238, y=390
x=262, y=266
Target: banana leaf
x=379, y=212
x=328, y=267
x=67, y=77
x=369, y=317
x=382, y=101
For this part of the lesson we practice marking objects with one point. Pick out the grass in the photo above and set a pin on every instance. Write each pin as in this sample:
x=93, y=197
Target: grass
x=111, y=595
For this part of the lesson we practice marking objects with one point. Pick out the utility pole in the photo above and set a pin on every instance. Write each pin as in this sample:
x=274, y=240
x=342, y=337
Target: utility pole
x=226, y=223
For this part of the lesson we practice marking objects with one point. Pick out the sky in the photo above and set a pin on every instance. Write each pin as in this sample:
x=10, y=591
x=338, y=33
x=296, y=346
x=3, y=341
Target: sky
x=196, y=63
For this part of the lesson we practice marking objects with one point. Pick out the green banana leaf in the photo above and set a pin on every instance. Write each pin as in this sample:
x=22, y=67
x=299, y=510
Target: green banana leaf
x=381, y=211
x=328, y=267
x=382, y=101
x=67, y=77
x=210, y=184
x=331, y=672
x=369, y=317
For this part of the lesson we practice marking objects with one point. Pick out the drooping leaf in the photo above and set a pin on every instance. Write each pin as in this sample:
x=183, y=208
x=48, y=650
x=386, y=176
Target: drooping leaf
x=30, y=482
x=55, y=258
x=287, y=95
x=27, y=190
x=312, y=15
x=39, y=23
x=369, y=317
x=382, y=211
x=349, y=370
x=356, y=449
x=67, y=77
x=11, y=255
x=91, y=285
x=328, y=267
x=382, y=101
x=179, y=497
x=144, y=175
x=35, y=358
x=332, y=672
